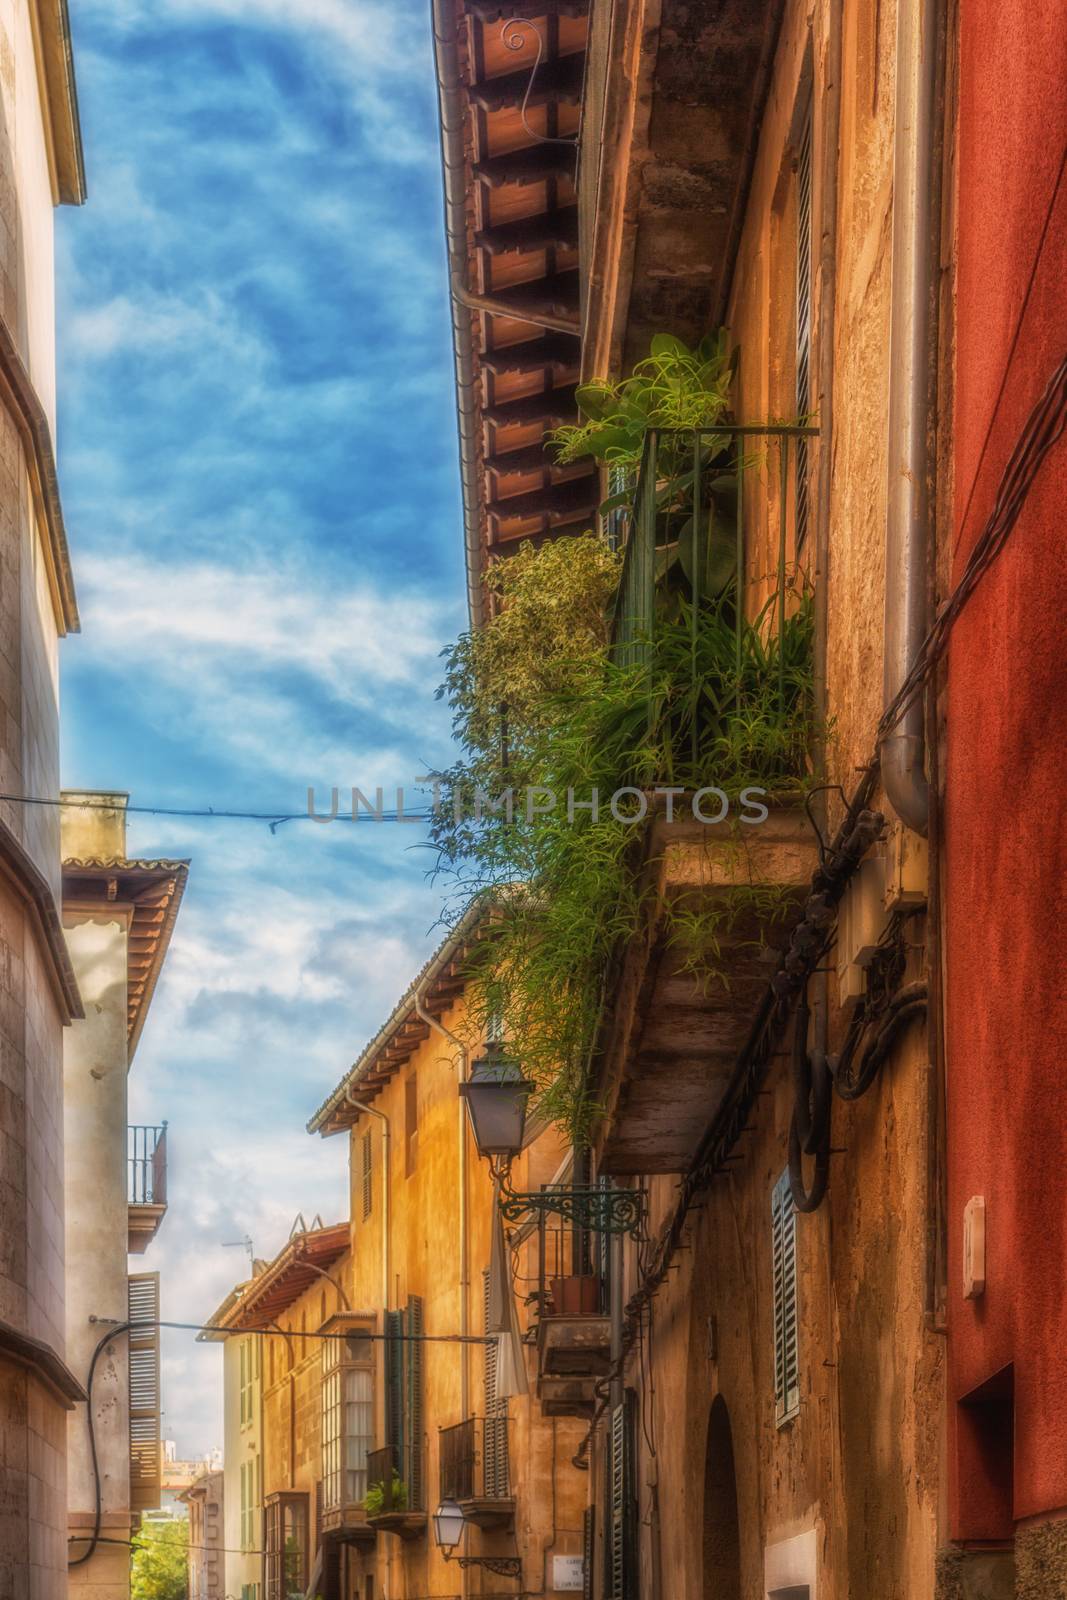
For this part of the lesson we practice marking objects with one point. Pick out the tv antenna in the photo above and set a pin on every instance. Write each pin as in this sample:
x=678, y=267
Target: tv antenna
x=242, y=1244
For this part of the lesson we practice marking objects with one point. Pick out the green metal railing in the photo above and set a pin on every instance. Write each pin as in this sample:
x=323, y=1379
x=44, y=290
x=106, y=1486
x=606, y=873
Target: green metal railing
x=649, y=531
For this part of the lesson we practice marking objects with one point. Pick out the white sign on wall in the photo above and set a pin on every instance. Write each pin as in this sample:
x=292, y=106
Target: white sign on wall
x=568, y=1573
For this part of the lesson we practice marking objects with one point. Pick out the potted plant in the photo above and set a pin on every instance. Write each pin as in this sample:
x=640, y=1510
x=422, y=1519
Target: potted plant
x=575, y=1295
x=374, y=1501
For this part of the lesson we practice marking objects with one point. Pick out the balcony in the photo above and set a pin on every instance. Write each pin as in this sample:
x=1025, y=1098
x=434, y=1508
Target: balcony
x=572, y=1328
x=475, y=1470
x=394, y=1498
x=146, y=1165
x=719, y=876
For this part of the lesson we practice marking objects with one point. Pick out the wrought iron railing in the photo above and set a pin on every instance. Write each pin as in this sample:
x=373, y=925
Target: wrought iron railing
x=396, y=1483
x=146, y=1151
x=676, y=469
x=474, y=1459
x=572, y=1265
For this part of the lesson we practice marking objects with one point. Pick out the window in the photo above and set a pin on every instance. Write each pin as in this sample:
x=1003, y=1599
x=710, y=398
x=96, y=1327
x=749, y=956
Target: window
x=495, y=1436
x=411, y=1124
x=251, y=1501
x=784, y=1268
x=403, y=1396
x=368, y=1173
x=803, y=336
x=246, y=1380
x=246, y=1506
x=347, y=1413
x=287, y=1547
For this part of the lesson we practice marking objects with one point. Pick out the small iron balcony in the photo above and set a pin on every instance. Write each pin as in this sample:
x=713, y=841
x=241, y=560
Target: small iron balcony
x=146, y=1164
x=573, y=1330
x=394, y=1497
x=474, y=1469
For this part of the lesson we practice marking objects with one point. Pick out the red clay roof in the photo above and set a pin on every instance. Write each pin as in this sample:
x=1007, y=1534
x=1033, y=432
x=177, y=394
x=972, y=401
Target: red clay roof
x=296, y=1268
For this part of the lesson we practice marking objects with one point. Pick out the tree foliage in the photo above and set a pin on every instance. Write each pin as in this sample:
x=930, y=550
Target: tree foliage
x=160, y=1565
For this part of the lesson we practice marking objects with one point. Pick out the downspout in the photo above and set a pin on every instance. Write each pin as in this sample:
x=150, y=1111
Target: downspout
x=495, y=307
x=907, y=504
x=453, y=163
x=371, y=1111
x=831, y=182
x=464, y=1244
x=464, y=1247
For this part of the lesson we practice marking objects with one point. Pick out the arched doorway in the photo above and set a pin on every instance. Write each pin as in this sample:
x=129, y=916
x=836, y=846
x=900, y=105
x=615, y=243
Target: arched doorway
x=722, y=1537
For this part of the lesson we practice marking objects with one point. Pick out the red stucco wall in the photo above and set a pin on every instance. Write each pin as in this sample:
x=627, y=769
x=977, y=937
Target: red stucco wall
x=1006, y=777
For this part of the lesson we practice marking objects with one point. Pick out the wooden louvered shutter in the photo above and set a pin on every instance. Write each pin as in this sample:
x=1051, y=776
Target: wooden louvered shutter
x=146, y=1449
x=588, y=1546
x=621, y=1566
x=784, y=1267
x=368, y=1173
x=394, y=1384
x=413, y=1403
x=495, y=1435
x=803, y=344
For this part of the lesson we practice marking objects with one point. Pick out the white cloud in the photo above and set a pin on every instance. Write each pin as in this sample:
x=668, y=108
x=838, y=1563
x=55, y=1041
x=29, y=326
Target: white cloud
x=280, y=673
x=150, y=322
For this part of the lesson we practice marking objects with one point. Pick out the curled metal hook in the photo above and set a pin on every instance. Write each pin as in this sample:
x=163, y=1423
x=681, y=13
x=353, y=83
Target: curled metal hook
x=511, y=35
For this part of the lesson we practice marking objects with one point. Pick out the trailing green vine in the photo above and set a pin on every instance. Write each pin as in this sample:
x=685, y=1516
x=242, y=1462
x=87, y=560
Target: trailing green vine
x=567, y=881
x=540, y=704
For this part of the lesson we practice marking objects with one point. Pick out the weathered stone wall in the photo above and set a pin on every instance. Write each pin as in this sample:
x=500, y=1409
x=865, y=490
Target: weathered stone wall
x=33, y=1521
x=96, y=1238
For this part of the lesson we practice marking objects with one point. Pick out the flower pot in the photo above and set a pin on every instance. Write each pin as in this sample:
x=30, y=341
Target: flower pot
x=575, y=1296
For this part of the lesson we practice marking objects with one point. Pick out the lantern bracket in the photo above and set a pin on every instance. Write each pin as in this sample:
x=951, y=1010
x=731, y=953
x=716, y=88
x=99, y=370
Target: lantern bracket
x=595, y=1209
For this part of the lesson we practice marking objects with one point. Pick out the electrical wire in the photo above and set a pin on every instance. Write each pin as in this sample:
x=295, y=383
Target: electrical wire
x=274, y=819
x=276, y=1333
x=94, y=1537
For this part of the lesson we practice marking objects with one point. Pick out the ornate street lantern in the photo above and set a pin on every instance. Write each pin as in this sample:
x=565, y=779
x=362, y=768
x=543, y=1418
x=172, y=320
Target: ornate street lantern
x=496, y=1095
x=448, y=1525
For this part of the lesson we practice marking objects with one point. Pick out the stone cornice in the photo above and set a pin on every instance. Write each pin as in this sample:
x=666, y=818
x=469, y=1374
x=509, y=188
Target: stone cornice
x=40, y=1359
x=28, y=883
x=24, y=406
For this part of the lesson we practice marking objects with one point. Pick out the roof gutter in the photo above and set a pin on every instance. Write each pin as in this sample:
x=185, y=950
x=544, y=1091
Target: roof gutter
x=453, y=165
x=908, y=498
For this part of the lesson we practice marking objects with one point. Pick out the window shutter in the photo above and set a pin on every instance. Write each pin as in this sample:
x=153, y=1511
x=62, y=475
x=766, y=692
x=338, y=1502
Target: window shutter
x=588, y=1544
x=394, y=1384
x=146, y=1451
x=414, y=1403
x=803, y=347
x=621, y=1570
x=495, y=1426
x=784, y=1266
x=368, y=1173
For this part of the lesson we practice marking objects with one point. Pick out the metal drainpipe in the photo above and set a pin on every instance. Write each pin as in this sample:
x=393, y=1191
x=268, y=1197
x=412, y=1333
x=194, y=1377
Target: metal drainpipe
x=907, y=505
x=615, y=1257
x=371, y=1111
x=464, y=1245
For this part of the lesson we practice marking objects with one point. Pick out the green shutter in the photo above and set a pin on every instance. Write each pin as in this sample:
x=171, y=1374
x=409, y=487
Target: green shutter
x=786, y=1313
x=588, y=1543
x=394, y=1384
x=621, y=1565
x=414, y=1403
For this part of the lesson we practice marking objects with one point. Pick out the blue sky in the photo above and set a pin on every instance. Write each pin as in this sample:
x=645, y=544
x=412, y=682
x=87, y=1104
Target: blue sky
x=258, y=459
